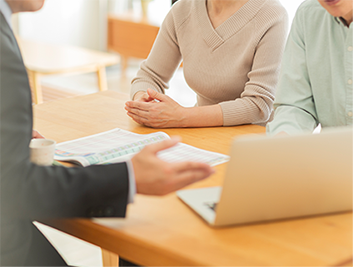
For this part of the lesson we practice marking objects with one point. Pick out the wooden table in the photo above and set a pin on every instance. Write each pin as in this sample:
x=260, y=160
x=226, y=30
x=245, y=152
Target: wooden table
x=46, y=59
x=164, y=231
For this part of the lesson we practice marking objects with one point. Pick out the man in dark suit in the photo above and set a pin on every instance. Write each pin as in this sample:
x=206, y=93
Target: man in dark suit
x=30, y=192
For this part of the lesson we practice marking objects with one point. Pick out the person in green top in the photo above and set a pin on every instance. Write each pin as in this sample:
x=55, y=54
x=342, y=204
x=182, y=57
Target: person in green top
x=316, y=80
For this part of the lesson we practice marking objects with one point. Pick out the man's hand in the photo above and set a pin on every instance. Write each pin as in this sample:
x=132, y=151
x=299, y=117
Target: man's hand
x=156, y=177
x=163, y=113
x=37, y=135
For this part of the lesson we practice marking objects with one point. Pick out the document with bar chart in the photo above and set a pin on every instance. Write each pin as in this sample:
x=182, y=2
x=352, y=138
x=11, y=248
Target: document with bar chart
x=118, y=145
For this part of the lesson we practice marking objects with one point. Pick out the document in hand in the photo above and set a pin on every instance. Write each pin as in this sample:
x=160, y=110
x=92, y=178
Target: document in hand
x=118, y=145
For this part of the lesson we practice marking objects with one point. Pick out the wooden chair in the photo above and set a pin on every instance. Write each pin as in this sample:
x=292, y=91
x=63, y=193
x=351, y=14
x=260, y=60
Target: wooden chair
x=47, y=59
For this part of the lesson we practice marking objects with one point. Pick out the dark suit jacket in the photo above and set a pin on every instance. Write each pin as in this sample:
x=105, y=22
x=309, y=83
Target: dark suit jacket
x=31, y=192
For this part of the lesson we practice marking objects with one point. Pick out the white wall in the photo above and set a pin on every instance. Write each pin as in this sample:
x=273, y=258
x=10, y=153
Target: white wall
x=83, y=22
x=74, y=22
x=291, y=6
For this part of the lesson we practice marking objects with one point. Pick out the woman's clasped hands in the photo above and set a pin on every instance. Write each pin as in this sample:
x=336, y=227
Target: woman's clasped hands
x=156, y=110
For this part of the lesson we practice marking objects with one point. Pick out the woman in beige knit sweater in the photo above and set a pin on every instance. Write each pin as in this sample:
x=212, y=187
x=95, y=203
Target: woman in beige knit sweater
x=231, y=52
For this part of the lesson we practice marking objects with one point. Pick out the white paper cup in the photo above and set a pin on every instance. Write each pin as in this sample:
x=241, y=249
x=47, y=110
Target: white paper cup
x=42, y=151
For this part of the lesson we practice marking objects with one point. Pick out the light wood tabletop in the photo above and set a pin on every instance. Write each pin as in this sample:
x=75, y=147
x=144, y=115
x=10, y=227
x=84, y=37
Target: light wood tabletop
x=162, y=231
x=46, y=59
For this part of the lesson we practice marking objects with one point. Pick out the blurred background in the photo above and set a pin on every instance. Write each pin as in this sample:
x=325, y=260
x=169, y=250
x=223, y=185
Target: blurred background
x=75, y=47
x=84, y=22
x=105, y=26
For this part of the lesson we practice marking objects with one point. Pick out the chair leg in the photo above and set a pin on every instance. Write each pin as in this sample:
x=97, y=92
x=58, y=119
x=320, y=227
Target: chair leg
x=102, y=79
x=124, y=62
x=34, y=81
x=110, y=259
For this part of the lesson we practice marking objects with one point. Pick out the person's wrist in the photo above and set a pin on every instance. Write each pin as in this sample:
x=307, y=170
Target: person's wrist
x=138, y=95
x=184, y=117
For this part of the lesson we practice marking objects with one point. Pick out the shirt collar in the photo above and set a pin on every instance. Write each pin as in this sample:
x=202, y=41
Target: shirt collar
x=341, y=21
x=6, y=11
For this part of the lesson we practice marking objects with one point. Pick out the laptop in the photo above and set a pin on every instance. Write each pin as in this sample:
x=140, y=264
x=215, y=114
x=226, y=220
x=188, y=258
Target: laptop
x=280, y=177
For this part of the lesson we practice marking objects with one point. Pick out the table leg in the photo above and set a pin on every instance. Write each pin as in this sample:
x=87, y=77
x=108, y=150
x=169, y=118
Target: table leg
x=109, y=259
x=124, y=60
x=34, y=81
x=102, y=79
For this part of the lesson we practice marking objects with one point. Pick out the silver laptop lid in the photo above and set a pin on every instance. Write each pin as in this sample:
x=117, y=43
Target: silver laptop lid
x=271, y=178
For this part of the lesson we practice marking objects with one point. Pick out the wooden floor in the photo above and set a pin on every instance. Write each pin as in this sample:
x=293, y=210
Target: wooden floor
x=75, y=251
x=51, y=94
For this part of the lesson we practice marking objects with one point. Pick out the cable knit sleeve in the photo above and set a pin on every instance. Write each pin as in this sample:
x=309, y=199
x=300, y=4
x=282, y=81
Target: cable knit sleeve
x=162, y=62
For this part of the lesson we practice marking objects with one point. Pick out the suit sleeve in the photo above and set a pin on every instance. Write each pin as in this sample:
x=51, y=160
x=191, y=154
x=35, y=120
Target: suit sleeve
x=29, y=191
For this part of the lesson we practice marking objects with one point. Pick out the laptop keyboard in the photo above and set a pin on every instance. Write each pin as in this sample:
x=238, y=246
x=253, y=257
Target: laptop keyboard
x=211, y=205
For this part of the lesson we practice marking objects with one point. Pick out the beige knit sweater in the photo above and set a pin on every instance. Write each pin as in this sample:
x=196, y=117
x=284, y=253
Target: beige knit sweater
x=235, y=65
